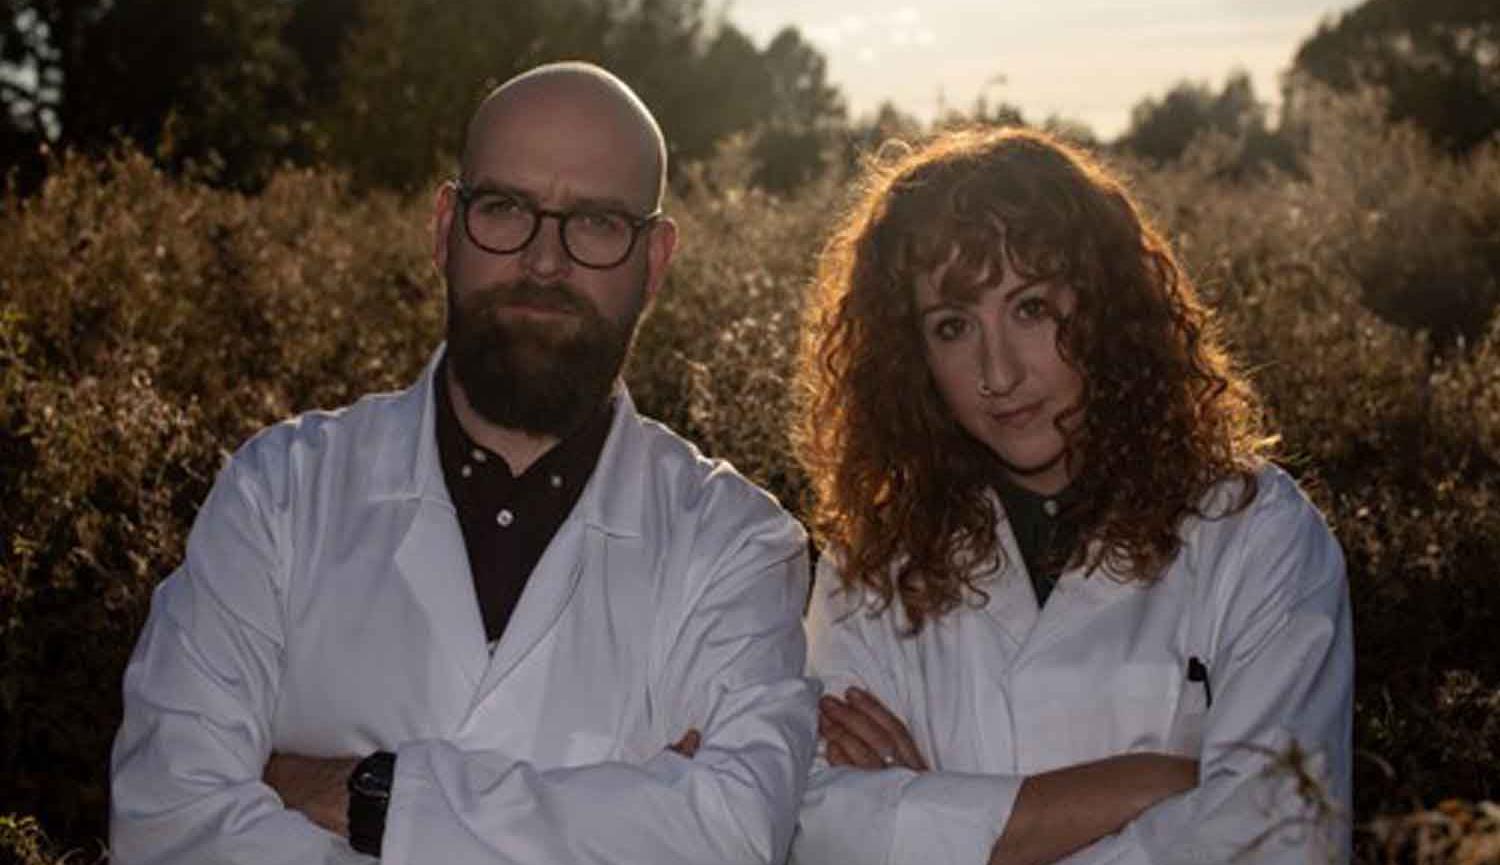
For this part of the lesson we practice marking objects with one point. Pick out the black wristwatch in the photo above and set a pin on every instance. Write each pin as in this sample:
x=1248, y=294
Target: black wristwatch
x=369, y=796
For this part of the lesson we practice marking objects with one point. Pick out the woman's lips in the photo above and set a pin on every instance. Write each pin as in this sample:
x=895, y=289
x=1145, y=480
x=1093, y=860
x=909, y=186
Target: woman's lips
x=1017, y=417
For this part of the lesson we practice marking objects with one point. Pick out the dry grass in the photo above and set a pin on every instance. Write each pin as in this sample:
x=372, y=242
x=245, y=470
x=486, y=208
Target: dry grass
x=147, y=326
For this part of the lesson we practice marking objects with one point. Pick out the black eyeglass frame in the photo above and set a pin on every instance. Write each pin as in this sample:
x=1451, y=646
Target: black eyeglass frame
x=466, y=197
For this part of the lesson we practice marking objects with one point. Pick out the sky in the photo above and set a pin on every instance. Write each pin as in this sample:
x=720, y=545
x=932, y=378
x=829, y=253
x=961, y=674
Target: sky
x=1084, y=60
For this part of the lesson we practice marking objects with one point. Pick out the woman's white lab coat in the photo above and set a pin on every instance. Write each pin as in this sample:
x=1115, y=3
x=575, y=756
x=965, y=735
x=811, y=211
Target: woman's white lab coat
x=326, y=608
x=995, y=692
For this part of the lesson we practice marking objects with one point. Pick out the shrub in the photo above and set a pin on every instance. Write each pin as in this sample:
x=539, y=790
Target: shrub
x=148, y=325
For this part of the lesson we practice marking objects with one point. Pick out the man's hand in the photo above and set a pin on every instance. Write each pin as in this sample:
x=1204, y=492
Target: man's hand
x=687, y=746
x=316, y=786
x=862, y=732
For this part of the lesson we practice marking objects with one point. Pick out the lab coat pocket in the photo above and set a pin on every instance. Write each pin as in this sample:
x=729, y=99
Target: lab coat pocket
x=1077, y=716
x=1145, y=696
x=585, y=748
x=1186, y=737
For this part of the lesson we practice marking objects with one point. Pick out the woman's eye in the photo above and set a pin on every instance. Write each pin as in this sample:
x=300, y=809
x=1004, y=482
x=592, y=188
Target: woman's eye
x=949, y=329
x=1033, y=308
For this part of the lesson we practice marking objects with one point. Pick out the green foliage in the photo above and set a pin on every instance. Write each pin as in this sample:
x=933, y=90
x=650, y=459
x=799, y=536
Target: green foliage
x=1397, y=440
x=1439, y=61
x=23, y=842
x=230, y=90
x=148, y=325
x=715, y=356
x=1162, y=131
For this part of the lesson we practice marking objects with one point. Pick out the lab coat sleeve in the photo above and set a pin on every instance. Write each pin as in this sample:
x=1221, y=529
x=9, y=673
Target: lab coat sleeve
x=738, y=653
x=198, y=696
x=894, y=816
x=1282, y=674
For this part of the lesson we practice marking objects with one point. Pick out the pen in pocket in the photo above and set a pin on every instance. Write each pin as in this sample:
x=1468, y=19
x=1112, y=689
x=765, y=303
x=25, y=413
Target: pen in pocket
x=1197, y=672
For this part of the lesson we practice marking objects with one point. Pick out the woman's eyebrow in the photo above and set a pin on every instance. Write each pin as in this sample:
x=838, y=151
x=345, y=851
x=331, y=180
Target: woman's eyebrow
x=1028, y=284
x=938, y=306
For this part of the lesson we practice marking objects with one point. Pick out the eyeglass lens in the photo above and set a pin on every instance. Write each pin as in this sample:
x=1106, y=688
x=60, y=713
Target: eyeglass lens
x=504, y=224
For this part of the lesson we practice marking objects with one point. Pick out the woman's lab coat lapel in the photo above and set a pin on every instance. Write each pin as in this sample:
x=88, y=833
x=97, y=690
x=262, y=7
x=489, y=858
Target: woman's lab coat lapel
x=1077, y=598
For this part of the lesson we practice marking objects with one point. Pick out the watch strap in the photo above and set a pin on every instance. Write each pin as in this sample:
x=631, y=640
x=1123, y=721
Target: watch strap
x=369, y=796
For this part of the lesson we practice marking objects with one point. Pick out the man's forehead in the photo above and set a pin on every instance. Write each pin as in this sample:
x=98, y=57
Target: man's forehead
x=566, y=136
x=557, y=171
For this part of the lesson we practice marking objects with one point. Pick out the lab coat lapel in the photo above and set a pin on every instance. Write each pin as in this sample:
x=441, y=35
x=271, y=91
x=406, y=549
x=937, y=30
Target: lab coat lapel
x=609, y=508
x=432, y=559
x=1080, y=596
x=547, y=592
x=1012, y=601
x=430, y=555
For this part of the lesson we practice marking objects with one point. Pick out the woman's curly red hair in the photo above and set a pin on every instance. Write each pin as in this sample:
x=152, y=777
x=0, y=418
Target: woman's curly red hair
x=901, y=490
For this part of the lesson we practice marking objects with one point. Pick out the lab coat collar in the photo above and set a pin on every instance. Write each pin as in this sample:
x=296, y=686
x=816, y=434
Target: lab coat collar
x=432, y=557
x=408, y=466
x=1079, y=595
x=1012, y=600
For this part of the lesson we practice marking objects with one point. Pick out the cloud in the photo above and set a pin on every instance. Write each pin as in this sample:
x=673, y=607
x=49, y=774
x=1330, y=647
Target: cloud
x=872, y=37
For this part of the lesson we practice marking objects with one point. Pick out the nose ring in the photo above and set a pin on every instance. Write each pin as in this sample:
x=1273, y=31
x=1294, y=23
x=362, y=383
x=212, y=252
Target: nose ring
x=984, y=389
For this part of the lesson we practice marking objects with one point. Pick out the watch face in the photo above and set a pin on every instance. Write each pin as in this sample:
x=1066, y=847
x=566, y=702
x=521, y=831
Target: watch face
x=372, y=777
x=368, y=782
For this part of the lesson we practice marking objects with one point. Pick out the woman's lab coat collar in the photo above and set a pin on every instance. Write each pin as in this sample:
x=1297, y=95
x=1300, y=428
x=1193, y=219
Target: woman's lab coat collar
x=1080, y=594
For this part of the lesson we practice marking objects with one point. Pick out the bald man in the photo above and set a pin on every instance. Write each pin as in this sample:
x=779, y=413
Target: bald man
x=498, y=617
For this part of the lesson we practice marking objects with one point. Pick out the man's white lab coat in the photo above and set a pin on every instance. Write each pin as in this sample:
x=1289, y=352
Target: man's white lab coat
x=326, y=608
x=995, y=692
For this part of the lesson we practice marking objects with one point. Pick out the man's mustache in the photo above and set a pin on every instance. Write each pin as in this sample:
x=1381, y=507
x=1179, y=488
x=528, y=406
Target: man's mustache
x=555, y=296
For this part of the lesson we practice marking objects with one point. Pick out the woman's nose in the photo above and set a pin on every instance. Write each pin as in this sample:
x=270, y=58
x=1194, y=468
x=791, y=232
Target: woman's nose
x=1000, y=370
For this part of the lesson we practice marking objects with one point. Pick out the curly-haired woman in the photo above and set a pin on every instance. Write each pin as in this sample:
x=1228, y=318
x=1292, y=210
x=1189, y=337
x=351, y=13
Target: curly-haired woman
x=1067, y=608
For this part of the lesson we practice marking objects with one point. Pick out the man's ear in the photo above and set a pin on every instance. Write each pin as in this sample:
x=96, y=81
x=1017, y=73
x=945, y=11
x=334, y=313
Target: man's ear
x=661, y=243
x=444, y=211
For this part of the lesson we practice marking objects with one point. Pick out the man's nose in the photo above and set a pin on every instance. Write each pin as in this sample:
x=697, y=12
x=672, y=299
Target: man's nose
x=545, y=257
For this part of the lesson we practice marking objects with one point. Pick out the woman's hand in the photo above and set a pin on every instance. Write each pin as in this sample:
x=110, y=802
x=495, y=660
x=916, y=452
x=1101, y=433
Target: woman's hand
x=861, y=732
x=1064, y=810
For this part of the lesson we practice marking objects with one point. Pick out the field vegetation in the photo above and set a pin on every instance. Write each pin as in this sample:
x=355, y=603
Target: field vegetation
x=161, y=301
x=149, y=324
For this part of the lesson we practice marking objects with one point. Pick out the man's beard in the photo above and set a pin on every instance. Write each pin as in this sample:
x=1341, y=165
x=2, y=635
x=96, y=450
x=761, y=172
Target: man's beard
x=544, y=376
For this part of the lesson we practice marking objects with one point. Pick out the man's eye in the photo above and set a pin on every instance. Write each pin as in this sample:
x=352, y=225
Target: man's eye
x=499, y=205
x=600, y=221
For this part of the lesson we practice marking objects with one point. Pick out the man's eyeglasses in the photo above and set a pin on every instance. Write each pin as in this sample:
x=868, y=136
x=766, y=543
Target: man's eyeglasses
x=504, y=223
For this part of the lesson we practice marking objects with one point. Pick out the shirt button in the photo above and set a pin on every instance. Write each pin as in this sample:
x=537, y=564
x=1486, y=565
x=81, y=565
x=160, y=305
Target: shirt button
x=466, y=471
x=1050, y=506
x=505, y=517
x=477, y=454
x=556, y=481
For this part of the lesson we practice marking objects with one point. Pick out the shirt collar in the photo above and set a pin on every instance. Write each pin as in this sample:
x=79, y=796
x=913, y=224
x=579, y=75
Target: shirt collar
x=1022, y=502
x=573, y=458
